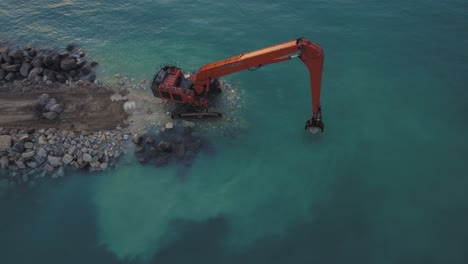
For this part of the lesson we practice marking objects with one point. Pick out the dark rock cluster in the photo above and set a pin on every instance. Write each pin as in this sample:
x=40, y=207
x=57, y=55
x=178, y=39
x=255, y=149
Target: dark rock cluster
x=168, y=145
x=45, y=65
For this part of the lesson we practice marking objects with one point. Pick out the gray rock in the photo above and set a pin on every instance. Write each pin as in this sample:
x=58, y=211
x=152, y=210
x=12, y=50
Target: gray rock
x=2, y=74
x=104, y=165
x=11, y=68
x=50, y=103
x=28, y=155
x=54, y=161
x=37, y=63
x=41, y=153
x=67, y=158
x=96, y=165
x=18, y=147
x=43, y=99
x=20, y=164
x=57, y=108
x=87, y=157
x=50, y=115
x=35, y=72
x=68, y=64
x=81, y=53
x=25, y=68
x=4, y=162
x=60, y=78
x=17, y=54
x=32, y=164
x=5, y=142
x=164, y=146
x=61, y=172
x=6, y=58
x=72, y=150
x=10, y=77
x=29, y=145
x=42, y=140
x=137, y=139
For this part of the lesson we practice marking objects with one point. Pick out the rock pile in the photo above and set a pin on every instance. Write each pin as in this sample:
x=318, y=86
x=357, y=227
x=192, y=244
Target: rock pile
x=45, y=65
x=51, y=109
x=168, y=145
x=48, y=151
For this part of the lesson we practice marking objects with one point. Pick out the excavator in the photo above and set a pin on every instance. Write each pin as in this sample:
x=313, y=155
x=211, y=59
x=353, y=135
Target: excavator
x=195, y=89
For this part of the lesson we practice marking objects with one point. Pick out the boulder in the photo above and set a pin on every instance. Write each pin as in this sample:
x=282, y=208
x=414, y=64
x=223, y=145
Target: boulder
x=10, y=77
x=43, y=99
x=50, y=103
x=37, y=63
x=104, y=165
x=54, y=161
x=150, y=140
x=11, y=68
x=19, y=147
x=7, y=58
x=89, y=78
x=72, y=150
x=41, y=153
x=32, y=52
x=48, y=60
x=50, y=115
x=93, y=64
x=25, y=68
x=32, y=164
x=68, y=64
x=164, y=146
x=20, y=164
x=5, y=142
x=28, y=154
x=29, y=145
x=17, y=54
x=35, y=72
x=67, y=158
x=57, y=108
x=2, y=74
x=81, y=53
x=87, y=157
x=70, y=47
x=137, y=139
x=60, y=78
x=85, y=70
x=169, y=125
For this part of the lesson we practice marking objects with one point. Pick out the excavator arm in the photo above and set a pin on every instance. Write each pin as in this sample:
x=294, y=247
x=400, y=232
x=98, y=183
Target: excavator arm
x=309, y=53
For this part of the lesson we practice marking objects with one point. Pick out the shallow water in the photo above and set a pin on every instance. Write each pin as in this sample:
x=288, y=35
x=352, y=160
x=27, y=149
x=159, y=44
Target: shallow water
x=385, y=183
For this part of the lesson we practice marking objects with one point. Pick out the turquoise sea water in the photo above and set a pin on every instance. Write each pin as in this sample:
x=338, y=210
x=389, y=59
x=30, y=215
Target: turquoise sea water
x=385, y=183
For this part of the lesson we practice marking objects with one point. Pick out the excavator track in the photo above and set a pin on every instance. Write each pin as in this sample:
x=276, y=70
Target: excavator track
x=197, y=115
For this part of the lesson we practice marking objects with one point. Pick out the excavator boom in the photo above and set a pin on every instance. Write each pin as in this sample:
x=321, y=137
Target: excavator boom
x=195, y=89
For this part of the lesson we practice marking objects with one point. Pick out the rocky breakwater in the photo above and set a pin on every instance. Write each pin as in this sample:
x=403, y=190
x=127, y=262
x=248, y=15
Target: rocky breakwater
x=172, y=143
x=31, y=154
x=45, y=65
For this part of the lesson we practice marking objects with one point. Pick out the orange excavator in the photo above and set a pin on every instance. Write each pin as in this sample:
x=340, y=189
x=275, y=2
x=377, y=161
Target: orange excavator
x=170, y=83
